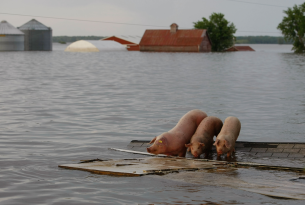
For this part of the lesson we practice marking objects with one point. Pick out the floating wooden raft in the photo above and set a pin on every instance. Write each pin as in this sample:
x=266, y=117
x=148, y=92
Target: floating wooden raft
x=207, y=172
x=161, y=164
x=141, y=166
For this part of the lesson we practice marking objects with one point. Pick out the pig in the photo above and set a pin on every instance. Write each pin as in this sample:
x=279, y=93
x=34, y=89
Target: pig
x=225, y=141
x=172, y=143
x=202, y=140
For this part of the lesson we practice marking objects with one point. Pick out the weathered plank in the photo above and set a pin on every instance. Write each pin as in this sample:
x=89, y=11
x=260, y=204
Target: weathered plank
x=141, y=166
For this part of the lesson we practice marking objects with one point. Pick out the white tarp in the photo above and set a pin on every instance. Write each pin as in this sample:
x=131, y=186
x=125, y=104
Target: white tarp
x=95, y=46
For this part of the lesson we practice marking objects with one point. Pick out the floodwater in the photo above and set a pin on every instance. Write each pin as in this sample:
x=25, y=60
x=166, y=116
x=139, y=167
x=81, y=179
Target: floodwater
x=59, y=108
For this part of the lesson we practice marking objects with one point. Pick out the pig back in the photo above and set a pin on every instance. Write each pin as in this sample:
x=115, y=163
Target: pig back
x=231, y=126
x=189, y=122
x=211, y=125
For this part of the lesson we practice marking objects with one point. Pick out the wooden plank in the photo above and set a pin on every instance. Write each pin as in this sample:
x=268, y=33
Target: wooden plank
x=269, y=183
x=141, y=166
x=137, y=152
x=101, y=172
x=274, y=186
x=274, y=193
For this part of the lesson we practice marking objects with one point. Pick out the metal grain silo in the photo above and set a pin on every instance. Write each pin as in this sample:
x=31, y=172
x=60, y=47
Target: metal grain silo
x=38, y=37
x=11, y=39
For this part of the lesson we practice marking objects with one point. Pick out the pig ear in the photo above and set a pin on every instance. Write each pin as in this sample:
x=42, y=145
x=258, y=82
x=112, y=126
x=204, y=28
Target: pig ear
x=188, y=145
x=227, y=143
x=153, y=140
x=216, y=142
x=201, y=144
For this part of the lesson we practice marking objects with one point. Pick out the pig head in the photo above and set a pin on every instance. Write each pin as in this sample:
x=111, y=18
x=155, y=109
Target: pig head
x=196, y=148
x=223, y=146
x=160, y=145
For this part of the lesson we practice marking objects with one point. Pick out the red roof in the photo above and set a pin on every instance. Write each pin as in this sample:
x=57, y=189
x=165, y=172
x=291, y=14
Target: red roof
x=191, y=37
x=119, y=40
x=240, y=48
x=244, y=48
x=134, y=47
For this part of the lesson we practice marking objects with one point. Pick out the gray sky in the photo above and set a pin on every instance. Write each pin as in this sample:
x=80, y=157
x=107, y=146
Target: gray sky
x=246, y=17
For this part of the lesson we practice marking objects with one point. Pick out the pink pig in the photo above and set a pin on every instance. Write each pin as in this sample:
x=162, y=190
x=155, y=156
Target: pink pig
x=173, y=142
x=202, y=140
x=225, y=141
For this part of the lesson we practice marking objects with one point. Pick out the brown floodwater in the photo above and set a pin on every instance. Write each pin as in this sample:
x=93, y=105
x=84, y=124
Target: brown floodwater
x=59, y=108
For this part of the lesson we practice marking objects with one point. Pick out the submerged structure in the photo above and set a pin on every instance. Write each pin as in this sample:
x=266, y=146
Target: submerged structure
x=38, y=37
x=240, y=48
x=131, y=42
x=11, y=39
x=95, y=46
x=175, y=40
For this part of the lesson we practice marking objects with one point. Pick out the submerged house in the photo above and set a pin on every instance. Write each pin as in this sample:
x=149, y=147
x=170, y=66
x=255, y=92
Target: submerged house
x=176, y=40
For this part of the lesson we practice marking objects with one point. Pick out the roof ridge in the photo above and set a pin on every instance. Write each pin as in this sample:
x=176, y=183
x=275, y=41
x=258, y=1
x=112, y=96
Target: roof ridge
x=8, y=29
x=34, y=25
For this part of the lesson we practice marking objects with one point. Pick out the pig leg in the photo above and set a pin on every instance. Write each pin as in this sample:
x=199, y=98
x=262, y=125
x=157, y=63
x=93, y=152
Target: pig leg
x=182, y=154
x=153, y=140
x=206, y=154
x=229, y=153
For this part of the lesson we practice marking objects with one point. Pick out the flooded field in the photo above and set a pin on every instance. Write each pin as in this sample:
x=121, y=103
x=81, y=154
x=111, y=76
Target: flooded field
x=59, y=108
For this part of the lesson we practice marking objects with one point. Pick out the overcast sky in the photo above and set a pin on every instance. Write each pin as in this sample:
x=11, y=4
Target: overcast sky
x=258, y=19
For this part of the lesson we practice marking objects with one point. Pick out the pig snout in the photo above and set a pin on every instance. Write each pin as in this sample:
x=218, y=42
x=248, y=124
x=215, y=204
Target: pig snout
x=219, y=152
x=195, y=154
x=152, y=150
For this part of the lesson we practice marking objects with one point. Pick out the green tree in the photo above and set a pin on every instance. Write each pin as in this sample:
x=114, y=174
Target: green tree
x=220, y=30
x=293, y=27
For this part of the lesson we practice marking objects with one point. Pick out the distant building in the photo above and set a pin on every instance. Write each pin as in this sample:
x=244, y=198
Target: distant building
x=240, y=48
x=11, y=39
x=95, y=46
x=131, y=42
x=38, y=37
x=175, y=40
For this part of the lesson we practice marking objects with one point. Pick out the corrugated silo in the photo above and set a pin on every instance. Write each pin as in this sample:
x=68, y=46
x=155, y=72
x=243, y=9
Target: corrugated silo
x=11, y=39
x=38, y=37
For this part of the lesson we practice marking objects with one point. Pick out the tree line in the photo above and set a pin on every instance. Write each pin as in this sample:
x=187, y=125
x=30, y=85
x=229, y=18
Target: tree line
x=238, y=39
x=261, y=40
x=65, y=39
